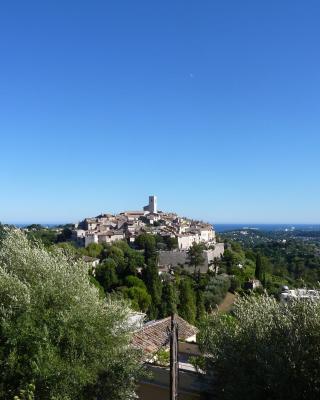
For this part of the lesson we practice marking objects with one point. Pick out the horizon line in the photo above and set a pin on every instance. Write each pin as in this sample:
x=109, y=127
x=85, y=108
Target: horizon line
x=213, y=223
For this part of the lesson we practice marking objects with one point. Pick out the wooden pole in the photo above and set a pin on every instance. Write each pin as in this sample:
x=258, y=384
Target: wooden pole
x=174, y=364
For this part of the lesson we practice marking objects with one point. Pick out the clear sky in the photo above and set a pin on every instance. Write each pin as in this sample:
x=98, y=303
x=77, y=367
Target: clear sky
x=212, y=105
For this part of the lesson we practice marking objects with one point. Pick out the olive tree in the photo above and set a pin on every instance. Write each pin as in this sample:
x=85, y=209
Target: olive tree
x=57, y=335
x=264, y=350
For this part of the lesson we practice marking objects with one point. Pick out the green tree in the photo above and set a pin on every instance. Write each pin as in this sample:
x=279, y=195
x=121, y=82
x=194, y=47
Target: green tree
x=215, y=265
x=94, y=250
x=169, y=299
x=150, y=276
x=147, y=243
x=47, y=236
x=171, y=242
x=35, y=227
x=127, y=260
x=56, y=332
x=132, y=280
x=140, y=298
x=187, y=301
x=195, y=255
x=117, y=254
x=106, y=274
x=136, y=291
x=135, y=260
x=65, y=235
x=272, y=349
x=201, y=310
x=26, y=394
x=67, y=248
x=259, y=267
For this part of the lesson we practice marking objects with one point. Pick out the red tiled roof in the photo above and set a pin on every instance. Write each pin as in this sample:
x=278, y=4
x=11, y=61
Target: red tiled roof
x=153, y=336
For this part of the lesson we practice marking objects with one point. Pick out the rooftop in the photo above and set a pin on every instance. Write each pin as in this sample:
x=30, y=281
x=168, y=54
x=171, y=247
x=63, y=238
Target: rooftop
x=154, y=335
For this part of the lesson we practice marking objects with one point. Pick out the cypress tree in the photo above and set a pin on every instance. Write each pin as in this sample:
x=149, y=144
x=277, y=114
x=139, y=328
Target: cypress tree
x=150, y=276
x=187, y=307
x=168, y=299
x=201, y=310
x=259, y=268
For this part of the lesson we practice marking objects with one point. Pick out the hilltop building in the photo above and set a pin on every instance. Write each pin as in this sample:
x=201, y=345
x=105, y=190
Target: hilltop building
x=127, y=225
x=152, y=206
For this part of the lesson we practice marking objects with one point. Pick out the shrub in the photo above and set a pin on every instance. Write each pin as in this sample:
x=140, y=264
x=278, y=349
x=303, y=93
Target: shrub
x=57, y=333
x=264, y=350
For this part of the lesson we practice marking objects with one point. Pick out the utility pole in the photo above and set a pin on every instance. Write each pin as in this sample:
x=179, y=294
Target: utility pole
x=174, y=364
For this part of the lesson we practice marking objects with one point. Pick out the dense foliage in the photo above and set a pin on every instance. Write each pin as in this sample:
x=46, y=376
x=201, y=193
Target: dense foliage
x=195, y=255
x=131, y=272
x=264, y=350
x=64, y=330
x=273, y=260
x=215, y=291
x=59, y=338
x=134, y=274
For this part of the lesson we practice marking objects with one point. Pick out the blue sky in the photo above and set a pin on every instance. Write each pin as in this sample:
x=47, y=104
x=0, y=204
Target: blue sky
x=211, y=105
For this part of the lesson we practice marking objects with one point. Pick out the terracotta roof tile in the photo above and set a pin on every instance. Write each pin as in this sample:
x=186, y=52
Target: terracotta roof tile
x=154, y=335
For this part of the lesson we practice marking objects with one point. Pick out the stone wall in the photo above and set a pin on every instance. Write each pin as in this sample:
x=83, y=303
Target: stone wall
x=177, y=258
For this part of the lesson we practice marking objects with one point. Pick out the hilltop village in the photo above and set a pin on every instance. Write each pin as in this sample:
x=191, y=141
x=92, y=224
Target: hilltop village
x=128, y=225
x=108, y=228
x=167, y=271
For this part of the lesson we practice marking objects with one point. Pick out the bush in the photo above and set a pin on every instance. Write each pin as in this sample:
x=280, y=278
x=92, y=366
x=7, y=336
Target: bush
x=131, y=281
x=94, y=250
x=264, y=350
x=57, y=334
x=106, y=274
x=140, y=298
x=163, y=358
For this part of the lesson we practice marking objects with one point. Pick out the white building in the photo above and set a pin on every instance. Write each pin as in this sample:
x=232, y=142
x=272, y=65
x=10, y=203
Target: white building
x=133, y=215
x=152, y=218
x=186, y=240
x=93, y=262
x=105, y=237
x=299, y=294
x=110, y=237
x=90, y=238
x=207, y=235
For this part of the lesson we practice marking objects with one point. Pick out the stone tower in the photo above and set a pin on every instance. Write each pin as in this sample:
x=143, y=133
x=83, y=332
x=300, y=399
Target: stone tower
x=152, y=206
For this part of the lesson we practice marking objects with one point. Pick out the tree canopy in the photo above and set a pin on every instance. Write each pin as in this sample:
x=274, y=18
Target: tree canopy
x=187, y=307
x=264, y=350
x=147, y=243
x=195, y=254
x=59, y=338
